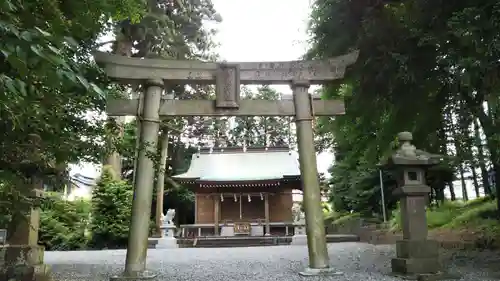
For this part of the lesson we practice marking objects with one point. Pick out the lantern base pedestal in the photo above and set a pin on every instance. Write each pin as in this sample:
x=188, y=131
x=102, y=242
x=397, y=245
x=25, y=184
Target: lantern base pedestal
x=416, y=257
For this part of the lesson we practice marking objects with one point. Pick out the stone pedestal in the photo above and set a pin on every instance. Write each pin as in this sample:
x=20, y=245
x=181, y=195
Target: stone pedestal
x=167, y=243
x=144, y=275
x=21, y=259
x=415, y=254
x=299, y=237
x=23, y=263
x=415, y=257
x=328, y=271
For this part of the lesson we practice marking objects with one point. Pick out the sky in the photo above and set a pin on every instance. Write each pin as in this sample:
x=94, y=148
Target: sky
x=257, y=30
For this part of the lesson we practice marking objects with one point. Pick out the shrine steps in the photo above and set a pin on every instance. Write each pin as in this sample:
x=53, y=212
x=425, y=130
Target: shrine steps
x=228, y=242
x=246, y=241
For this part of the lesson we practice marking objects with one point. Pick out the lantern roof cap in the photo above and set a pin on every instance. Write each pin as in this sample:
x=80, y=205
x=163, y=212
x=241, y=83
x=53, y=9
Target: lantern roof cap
x=408, y=155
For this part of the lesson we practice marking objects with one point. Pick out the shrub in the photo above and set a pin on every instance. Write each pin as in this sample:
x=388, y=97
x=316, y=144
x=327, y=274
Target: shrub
x=347, y=219
x=440, y=216
x=474, y=215
x=4, y=206
x=64, y=224
x=436, y=216
x=111, y=212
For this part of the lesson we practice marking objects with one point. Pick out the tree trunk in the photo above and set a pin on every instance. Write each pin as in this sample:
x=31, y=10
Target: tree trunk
x=496, y=170
x=114, y=159
x=490, y=131
x=489, y=124
x=475, y=181
x=160, y=182
x=465, y=196
x=441, y=183
x=452, y=191
x=482, y=164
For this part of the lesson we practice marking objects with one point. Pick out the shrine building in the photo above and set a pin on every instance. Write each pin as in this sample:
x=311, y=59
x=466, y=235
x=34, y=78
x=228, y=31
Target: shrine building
x=242, y=192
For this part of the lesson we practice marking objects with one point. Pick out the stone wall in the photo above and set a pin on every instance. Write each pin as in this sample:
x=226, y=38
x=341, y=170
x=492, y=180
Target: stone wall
x=377, y=234
x=368, y=232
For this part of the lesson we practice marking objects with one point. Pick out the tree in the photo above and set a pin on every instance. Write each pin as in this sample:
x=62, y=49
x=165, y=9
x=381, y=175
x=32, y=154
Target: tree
x=48, y=84
x=424, y=66
x=260, y=131
x=111, y=211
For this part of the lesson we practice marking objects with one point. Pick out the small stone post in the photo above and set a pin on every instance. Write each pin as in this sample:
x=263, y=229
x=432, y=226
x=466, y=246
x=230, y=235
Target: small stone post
x=22, y=256
x=416, y=255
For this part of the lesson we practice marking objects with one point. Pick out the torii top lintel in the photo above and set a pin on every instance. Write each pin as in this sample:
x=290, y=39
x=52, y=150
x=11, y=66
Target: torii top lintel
x=199, y=72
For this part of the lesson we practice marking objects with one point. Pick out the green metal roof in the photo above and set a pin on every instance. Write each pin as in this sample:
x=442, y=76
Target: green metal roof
x=235, y=164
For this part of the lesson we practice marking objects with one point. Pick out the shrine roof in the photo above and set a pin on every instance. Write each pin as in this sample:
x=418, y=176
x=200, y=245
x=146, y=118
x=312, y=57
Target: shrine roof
x=237, y=164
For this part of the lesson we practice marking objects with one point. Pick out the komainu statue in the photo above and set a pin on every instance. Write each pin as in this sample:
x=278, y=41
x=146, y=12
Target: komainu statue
x=169, y=217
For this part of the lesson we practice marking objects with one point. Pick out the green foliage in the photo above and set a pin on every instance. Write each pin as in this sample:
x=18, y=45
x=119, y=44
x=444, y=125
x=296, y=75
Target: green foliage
x=436, y=216
x=346, y=219
x=259, y=131
x=111, y=212
x=48, y=82
x=424, y=67
x=64, y=224
x=477, y=215
x=5, y=211
x=48, y=86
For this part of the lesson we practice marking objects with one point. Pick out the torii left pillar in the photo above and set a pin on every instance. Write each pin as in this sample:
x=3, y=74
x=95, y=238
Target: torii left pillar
x=135, y=263
x=319, y=262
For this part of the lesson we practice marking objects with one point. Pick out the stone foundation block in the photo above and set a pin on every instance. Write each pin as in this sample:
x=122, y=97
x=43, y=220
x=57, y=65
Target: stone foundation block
x=417, y=249
x=415, y=266
x=23, y=263
x=328, y=271
x=27, y=273
x=139, y=276
x=167, y=243
x=299, y=239
x=23, y=254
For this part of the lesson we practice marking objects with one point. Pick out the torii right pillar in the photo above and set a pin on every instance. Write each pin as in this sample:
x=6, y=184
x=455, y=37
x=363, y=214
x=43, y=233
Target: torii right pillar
x=417, y=257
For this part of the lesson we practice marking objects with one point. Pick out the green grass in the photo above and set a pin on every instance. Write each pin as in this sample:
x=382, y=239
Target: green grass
x=477, y=216
x=346, y=218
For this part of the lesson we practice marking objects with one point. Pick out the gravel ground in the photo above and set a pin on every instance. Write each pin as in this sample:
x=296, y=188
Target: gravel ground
x=358, y=261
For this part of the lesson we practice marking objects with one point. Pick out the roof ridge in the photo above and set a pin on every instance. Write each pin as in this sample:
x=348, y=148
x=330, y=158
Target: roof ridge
x=236, y=149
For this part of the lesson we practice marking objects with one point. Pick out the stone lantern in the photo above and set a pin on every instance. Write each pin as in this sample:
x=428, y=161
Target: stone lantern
x=416, y=255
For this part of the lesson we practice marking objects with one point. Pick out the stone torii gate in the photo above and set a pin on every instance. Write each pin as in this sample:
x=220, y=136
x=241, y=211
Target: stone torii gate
x=227, y=77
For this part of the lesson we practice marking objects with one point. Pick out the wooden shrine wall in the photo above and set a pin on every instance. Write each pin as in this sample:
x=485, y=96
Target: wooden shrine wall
x=280, y=208
x=204, y=208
